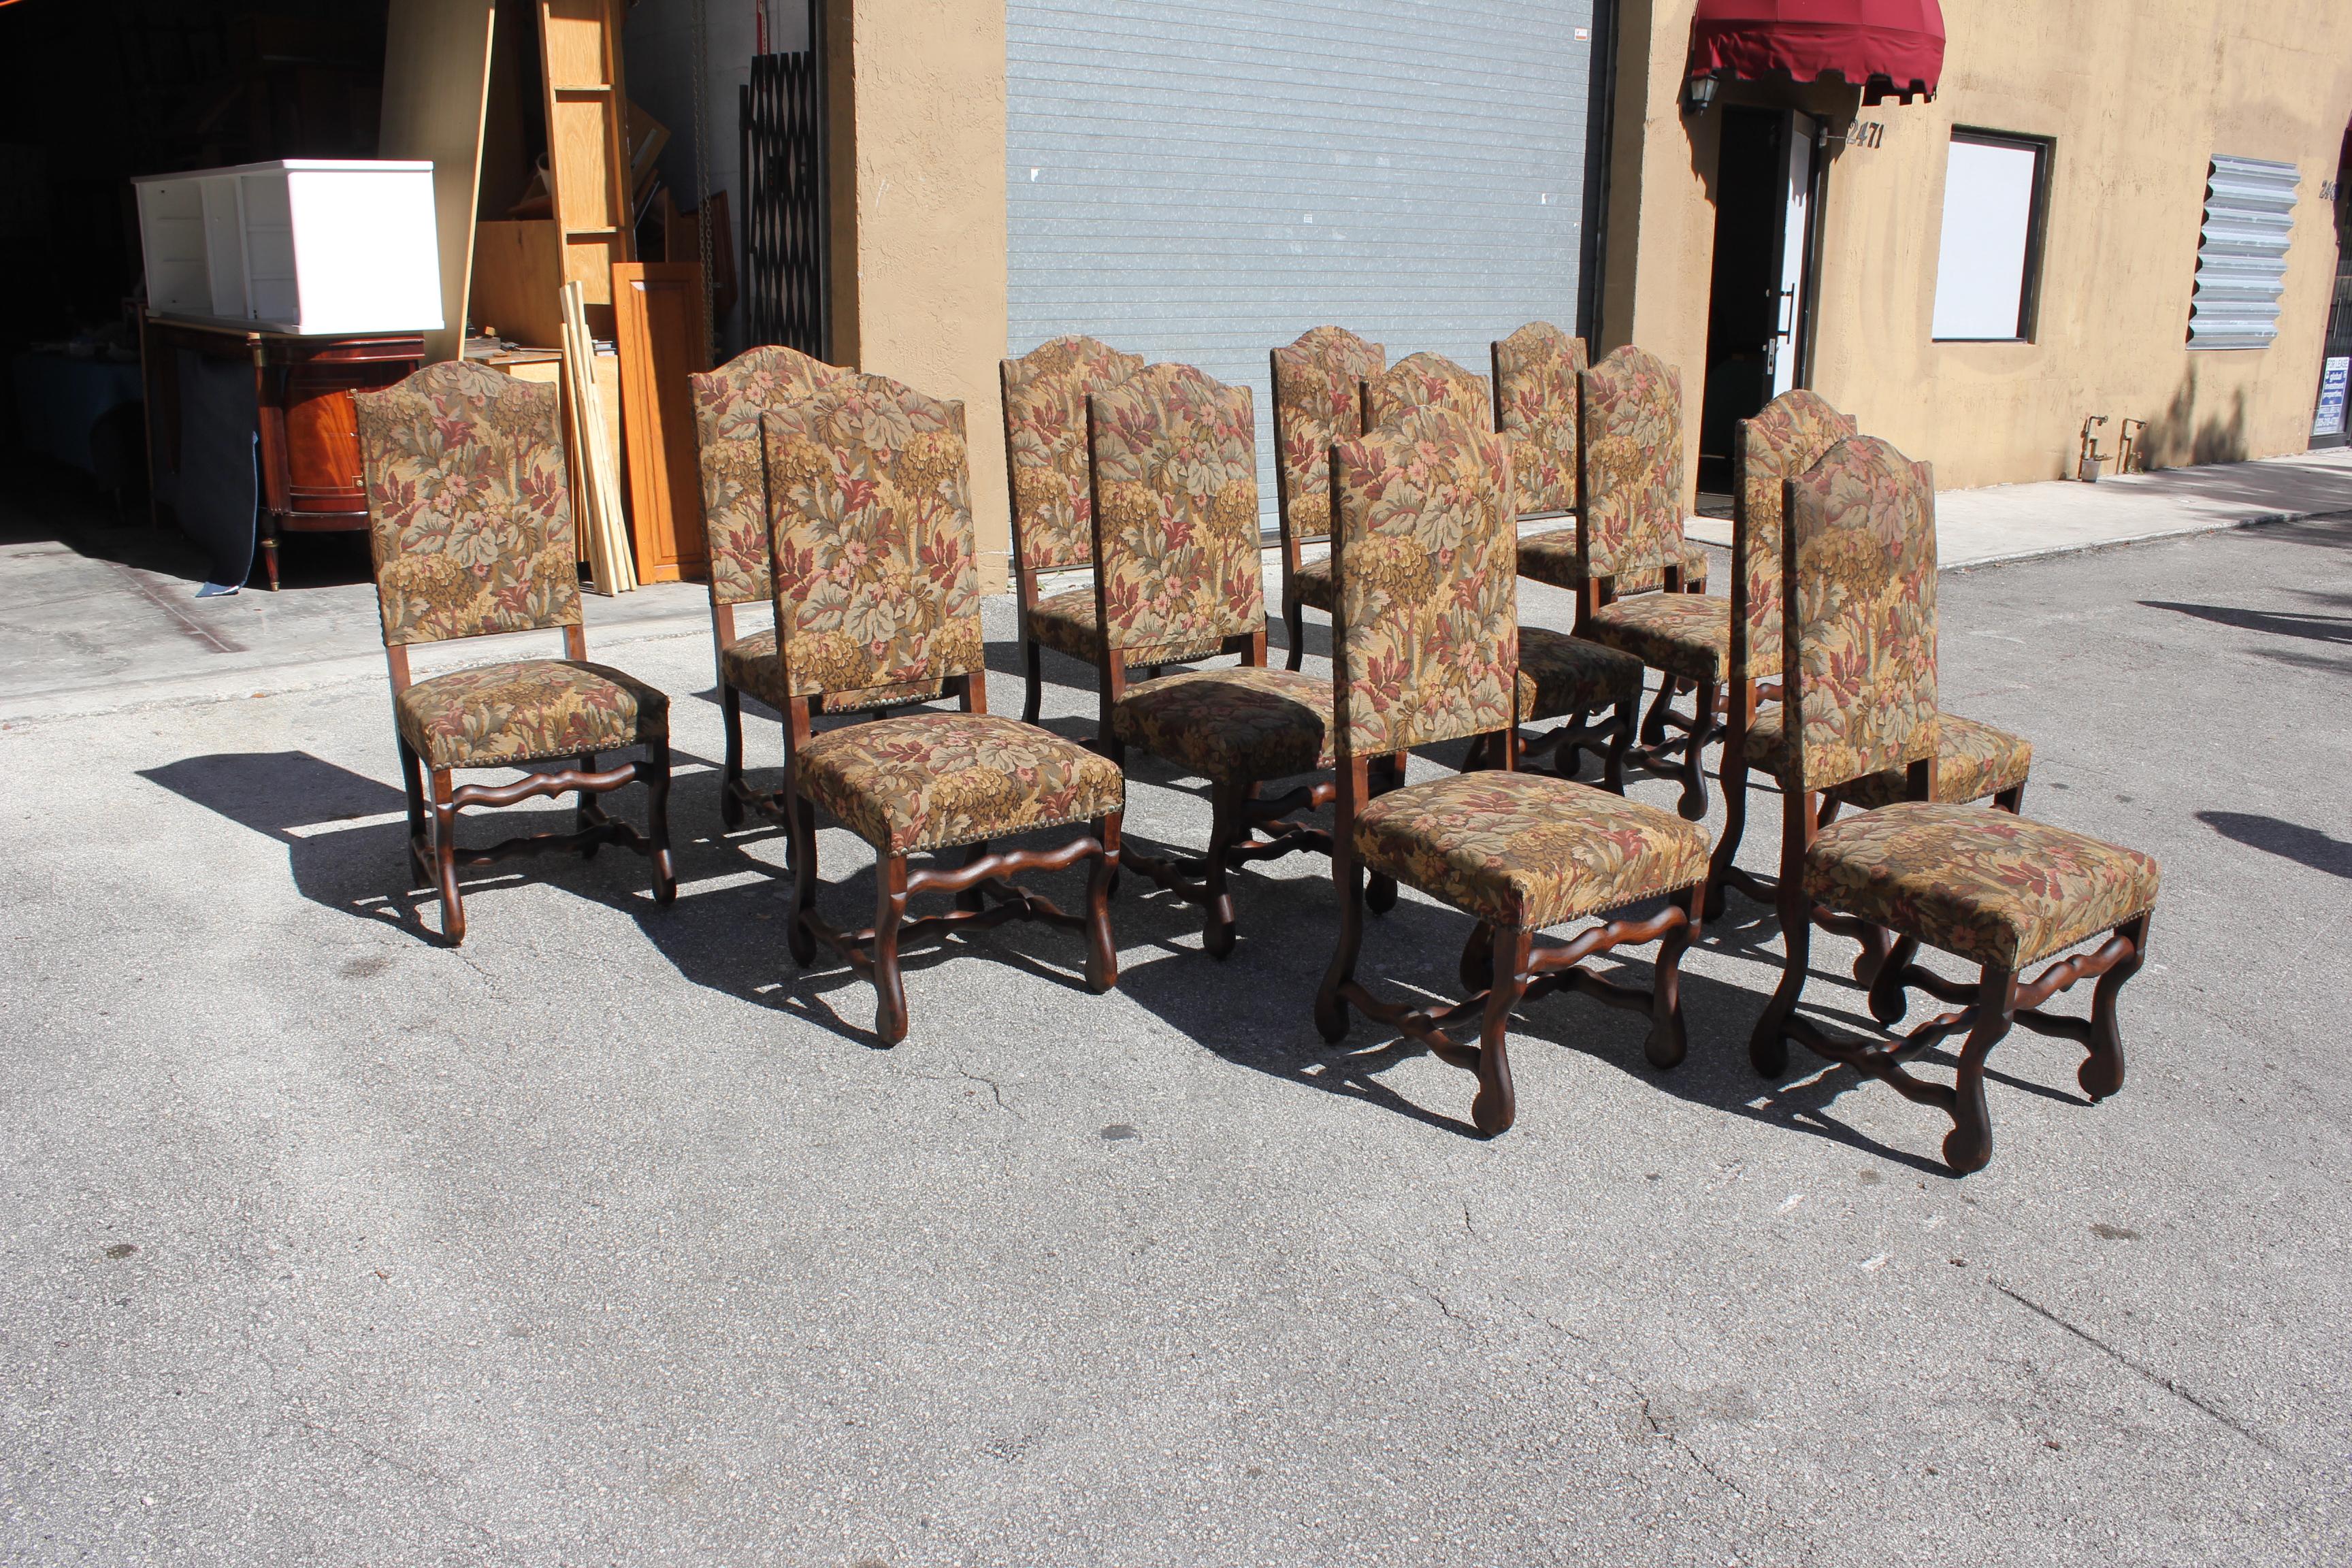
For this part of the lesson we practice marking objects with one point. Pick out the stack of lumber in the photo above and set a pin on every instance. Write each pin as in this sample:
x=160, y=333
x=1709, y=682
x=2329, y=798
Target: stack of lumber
x=596, y=479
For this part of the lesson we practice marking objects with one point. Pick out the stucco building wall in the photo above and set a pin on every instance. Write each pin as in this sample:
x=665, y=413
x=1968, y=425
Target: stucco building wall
x=2136, y=99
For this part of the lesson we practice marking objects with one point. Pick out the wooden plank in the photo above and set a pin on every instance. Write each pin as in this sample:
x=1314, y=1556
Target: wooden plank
x=657, y=310
x=573, y=35
x=437, y=77
x=518, y=274
x=578, y=139
x=608, y=538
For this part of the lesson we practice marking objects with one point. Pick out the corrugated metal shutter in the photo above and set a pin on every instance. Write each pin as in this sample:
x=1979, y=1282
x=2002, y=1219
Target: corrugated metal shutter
x=2241, y=254
x=1201, y=180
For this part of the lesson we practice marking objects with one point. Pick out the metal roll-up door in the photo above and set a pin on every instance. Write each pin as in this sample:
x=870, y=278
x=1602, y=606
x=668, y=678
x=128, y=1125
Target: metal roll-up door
x=1201, y=180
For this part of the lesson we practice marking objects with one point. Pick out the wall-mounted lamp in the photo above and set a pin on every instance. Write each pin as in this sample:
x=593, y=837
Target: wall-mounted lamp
x=1698, y=92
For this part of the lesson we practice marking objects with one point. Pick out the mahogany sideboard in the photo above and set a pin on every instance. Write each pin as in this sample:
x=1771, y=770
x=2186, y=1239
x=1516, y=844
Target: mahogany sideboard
x=309, y=430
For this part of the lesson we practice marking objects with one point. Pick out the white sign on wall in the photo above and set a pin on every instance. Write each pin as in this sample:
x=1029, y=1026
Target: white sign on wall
x=2329, y=420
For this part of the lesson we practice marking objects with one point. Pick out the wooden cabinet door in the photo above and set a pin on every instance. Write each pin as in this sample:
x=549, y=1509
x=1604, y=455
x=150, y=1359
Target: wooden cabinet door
x=657, y=309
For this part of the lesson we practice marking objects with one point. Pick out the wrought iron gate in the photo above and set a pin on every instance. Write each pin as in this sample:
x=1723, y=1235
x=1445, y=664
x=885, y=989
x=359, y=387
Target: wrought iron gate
x=788, y=294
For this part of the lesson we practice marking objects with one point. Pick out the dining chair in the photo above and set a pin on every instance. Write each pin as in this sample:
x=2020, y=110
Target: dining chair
x=469, y=521
x=1046, y=392
x=1994, y=890
x=1425, y=651
x=728, y=404
x=876, y=592
x=1174, y=459
x=1318, y=384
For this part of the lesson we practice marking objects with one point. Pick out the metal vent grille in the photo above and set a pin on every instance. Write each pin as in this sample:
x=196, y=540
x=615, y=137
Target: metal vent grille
x=2241, y=254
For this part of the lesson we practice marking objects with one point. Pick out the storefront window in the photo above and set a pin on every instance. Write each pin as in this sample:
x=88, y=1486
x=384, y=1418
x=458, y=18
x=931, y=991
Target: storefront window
x=1989, y=259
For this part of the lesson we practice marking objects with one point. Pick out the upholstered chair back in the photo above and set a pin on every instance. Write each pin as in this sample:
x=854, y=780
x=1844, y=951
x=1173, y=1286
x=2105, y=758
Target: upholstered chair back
x=1793, y=433
x=1858, y=598
x=1427, y=381
x=728, y=404
x=1631, y=518
x=1317, y=399
x=1426, y=634
x=469, y=510
x=870, y=534
x=1535, y=405
x=1046, y=393
x=1174, y=454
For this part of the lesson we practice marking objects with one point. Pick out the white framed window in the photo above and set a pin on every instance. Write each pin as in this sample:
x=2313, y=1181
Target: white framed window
x=1989, y=262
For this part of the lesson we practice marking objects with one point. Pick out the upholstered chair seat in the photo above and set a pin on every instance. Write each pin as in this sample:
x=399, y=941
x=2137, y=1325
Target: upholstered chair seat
x=1551, y=558
x=932, y=780
x=1973, y=762
x=1984, y=886
x=1310, y=584
x=1248, y=725
x=749, y=664
x=1528, y=850
x=1561, y=675
x=1686, y=634
x=1071, y=624
x=527, y=712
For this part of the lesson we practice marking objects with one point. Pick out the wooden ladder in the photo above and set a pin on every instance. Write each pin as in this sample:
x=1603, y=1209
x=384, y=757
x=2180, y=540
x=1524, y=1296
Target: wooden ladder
x=590, y=177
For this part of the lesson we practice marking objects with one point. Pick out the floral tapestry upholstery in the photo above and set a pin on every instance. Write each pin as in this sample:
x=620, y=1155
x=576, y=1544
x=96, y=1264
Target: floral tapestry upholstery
x=1560, y=676
x=1425, y=638
x=1241, y=725
x=1687, y=634
x=931, y=780
x=729, y=403
x=1858, y=603
x=1046, y=393
x=1175, y=466
x=870, y=520
x=1317, y=399
x=749, y=664
x=1632, y=518
x=1066, y=624
x=1973, y=762
x=1794, y=431
x=1427, y=381
x=1535, y=404
x=1527, y=849
x=1984, y=886
x=469, y=510
x=1551, y=557
x=1312, y=584
x=502, y=715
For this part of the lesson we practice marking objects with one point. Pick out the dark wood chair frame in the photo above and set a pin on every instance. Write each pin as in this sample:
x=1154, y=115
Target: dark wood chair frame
x=985, y=874
x=1987, y=1009
x=1292, y=547
x=434, y=856
x=1681, y=755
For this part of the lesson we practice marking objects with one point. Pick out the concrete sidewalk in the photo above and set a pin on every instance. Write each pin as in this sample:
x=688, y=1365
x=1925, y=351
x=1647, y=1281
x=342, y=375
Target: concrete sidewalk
x=2012, y=523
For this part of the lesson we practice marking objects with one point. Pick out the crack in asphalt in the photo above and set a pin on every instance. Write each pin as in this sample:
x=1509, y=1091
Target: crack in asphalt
x=2158, y=1378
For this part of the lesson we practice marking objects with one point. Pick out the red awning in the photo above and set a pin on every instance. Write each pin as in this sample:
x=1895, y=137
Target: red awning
x=1885, y=46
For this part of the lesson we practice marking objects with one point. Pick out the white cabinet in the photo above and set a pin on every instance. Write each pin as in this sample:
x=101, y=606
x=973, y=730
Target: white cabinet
x=303, y=246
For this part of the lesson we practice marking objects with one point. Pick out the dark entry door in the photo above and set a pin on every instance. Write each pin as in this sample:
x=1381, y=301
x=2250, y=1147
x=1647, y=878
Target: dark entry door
x=1756, y=320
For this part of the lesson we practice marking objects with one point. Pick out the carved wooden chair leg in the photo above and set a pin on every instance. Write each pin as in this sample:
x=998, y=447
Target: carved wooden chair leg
x=1478, y=957
x=802, y=816
x=1968, y=1145
x=1330, y=1007
x=1704, y=698
x=1033, y=673
x=1889, y=999
x=730, y=782
x=1102, y=950
x=1294, y=625
x=1669, y=1041
x=1613, y=777
x=971, y=898
x=1229, y=824
x=889, y=913
x=1653, y=723
x=412, y=778
x=656, y=776
x=445, y=858
x=1768, y=1047
x=1380, y=890
x=1497, y=1106
x=1735, y=823
x=585, y=813
x=2102, y=1072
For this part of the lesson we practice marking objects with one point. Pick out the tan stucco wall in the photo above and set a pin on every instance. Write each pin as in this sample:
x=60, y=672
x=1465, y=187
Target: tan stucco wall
x=918, y=216
x=2137, y=98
